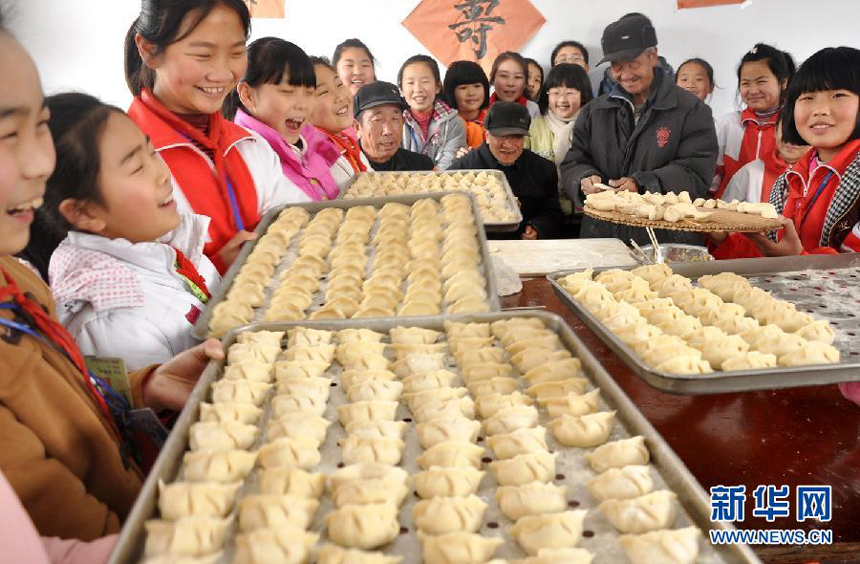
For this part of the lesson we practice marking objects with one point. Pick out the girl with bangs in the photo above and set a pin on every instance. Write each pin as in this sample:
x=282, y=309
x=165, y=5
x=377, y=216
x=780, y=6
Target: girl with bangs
x=467, y=90
x=274, y=99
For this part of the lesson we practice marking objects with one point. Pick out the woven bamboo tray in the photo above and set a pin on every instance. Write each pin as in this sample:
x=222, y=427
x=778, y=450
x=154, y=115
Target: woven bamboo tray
x=719, y=220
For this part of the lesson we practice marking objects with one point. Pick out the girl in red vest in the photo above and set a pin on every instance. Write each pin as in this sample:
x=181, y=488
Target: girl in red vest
x=508, y=77
x=763, y=76
x=182, y=59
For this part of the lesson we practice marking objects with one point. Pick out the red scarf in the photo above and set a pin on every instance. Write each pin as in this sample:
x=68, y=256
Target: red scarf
x=187, y=269
x=57, y=335
x=522, y=100
x=209, y=194
x=349, y=148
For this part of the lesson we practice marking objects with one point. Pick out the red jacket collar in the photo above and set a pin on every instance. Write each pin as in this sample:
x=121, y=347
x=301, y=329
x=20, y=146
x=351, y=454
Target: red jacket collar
x=748, y=116
x=840, y=162
x=522, y=100
x=163, y=135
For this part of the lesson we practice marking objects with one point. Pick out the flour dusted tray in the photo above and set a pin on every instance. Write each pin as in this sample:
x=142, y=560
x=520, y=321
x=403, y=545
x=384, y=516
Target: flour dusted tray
x=719, y=220
x=824, y=285
x=202, y=325
x=383, y=184
x=667, y=470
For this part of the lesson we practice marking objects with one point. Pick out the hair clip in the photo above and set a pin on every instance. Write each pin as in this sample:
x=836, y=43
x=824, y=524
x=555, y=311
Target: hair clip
x=754, y=50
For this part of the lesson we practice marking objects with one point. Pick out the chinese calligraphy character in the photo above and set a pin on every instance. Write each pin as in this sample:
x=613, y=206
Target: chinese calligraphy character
x=478, y=21
x=727, y=503
x=814, y=502
x=771, y=502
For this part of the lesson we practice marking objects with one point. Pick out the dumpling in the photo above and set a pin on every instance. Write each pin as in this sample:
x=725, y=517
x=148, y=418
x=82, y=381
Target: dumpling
x=240, y=391
x=416, y=335
x=481, y=372
x=677, y=546
x=207, y=435
x=749, y=361
x=558, y=556
x=291, y=481
x=456, y=329
x=287, y=403
x=510, y=419
x=428, y=381
x=717, y=351
x=626, y=482
x=451, y=454
x=819, y=330
x=653, y=273
x=268, y=511
x=735, y=325
x=226, y=412
x=181, y=499
x=459, y=547
x=649, y=512
x=304, y=352
x=188, y=536
x=617, y=454
x=454, y=429
x=681, y=327
x=217, y=466
x=658, y=354
x=308, y=336
x=251, y=352
x=554, y=370
x=779, y=345
x=479, y=356
x=302, y=453
x=349, y=378
x=385, y=390
x=168, y=559
x=489, y=405
x=374, y=429
x=300, y=368
x=447, y=481
x=545, y=391
x=521, y=441
x=469, y=343
x=363, y=526
x=495, y=385
x=365, y=492
x=299, y=424
x=524, y=468
x=333, y=554
x=813, y=352
x=549, y=530
x=385, y=450
x=417, y=363
x=249, y=370
x=416, y=400
x=583, y=431
x=350, y=354
x=317, y=387
x=440, y=515
x=443, y=408
x=366, y=335
x=286, y=545
x=573, y=404
x=370, y=471
x=533, y=498
x=367, y=411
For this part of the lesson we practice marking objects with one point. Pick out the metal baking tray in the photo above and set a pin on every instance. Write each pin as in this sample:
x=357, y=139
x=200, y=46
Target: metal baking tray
x=572, y=471
x=491, y=226
x=826, y=285
x=201, y=326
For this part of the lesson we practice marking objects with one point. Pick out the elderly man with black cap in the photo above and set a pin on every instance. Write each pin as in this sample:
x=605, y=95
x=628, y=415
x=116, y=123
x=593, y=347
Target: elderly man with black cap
x=646, y=134
x=379, y=125
x=533, y=178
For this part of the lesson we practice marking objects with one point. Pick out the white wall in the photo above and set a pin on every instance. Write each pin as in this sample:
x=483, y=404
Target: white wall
x=78, y=44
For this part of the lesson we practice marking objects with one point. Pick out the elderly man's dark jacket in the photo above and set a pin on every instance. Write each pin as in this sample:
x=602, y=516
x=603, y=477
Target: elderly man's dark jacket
x=533, y=180
x=672, y=148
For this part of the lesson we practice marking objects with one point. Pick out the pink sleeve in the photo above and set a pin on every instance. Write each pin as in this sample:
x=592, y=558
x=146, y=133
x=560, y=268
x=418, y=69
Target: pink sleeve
x=19, y=540
x=78, y=552
x=851, y=390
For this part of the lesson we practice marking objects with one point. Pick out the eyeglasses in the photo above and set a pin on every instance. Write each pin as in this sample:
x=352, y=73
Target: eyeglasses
x=569, y=59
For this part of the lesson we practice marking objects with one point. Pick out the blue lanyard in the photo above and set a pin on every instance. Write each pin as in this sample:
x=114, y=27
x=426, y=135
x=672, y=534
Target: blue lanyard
x=117, y=403
x=818, y=193
x=234, y=206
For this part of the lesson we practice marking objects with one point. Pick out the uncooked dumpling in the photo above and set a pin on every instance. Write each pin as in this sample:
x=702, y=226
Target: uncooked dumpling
x=440, y=515
x=573, y=404
x=442, y=481
x=451, y=454
x=188, y=536
x=622, y=483
x=291, y=481
x=268, y=511
x=208, y=435
x=549, y=530
x=181, y=499
x=218, y=466
x=299, y=424
x=532, y=498
x=583, y=431
x=366, y=492
x=819, y=330
x=459, y=548
x=813, y=352
x=367, y=411
x=450, y=429
x=618, y=453
x=524, y=468
x=649, y=512
x=510, y=419
x=226, y=412
x=677, y=546
x=522, y=441
x=558, y=556
x=286, y=545
x=369, y=471
x=373, y=429
x=385, y=450
x=363, y=526
x=283, y=452
x=333, y=554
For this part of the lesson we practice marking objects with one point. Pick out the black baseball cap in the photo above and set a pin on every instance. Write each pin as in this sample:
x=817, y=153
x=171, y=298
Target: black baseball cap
x=377, y=93
x=507, y=118
x=625, y=39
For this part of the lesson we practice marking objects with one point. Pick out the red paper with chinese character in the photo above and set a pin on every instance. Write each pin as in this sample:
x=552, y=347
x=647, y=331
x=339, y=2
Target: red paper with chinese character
x=266, y=8
x=705, y=3
x=473, y=30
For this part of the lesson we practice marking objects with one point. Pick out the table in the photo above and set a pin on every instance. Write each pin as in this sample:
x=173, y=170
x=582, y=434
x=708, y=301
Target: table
x=798, y=436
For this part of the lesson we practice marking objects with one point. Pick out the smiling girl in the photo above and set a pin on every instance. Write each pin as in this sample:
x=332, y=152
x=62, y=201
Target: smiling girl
x=430, y=126
x=182, y=59
x=696, y=76
x=763, y=77
x=508, y=77
x=467, y=90
x=274, y=99
x=354, y=64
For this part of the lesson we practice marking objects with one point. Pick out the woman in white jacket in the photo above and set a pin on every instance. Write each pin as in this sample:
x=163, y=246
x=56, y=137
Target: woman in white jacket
x=130, y=277
x=430, y=126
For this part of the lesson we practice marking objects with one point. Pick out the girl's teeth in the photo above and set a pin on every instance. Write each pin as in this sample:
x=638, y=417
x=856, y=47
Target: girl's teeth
x=33, y=204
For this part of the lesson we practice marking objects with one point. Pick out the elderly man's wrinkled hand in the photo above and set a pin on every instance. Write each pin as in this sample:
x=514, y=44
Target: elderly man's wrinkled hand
x=625, y=183
x=587, y=185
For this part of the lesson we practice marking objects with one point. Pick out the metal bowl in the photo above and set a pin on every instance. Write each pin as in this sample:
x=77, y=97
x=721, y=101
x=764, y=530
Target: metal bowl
x=677, y=252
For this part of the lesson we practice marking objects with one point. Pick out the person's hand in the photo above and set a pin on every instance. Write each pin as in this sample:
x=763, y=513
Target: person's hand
x=530, y=234
x=789, y=245
x=231, y=248
x=625, y=183
x=717, y=237
x=587, y=185
x=462, y=152
x=172, y=382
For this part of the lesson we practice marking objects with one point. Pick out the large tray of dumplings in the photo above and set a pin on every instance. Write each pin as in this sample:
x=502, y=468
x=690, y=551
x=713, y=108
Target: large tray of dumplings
x=489, y=438
x=724, y=326
x=403, y=256
x=678, y=212
x=499, y=208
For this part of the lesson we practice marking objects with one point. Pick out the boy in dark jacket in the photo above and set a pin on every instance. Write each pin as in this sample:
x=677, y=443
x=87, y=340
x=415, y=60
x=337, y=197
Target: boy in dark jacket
x=645, y=135
x=533, y=178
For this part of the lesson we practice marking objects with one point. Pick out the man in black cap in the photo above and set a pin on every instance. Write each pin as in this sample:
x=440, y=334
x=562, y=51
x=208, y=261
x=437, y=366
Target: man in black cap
x=379, y=125
x=646, y=134
x=533, y=178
